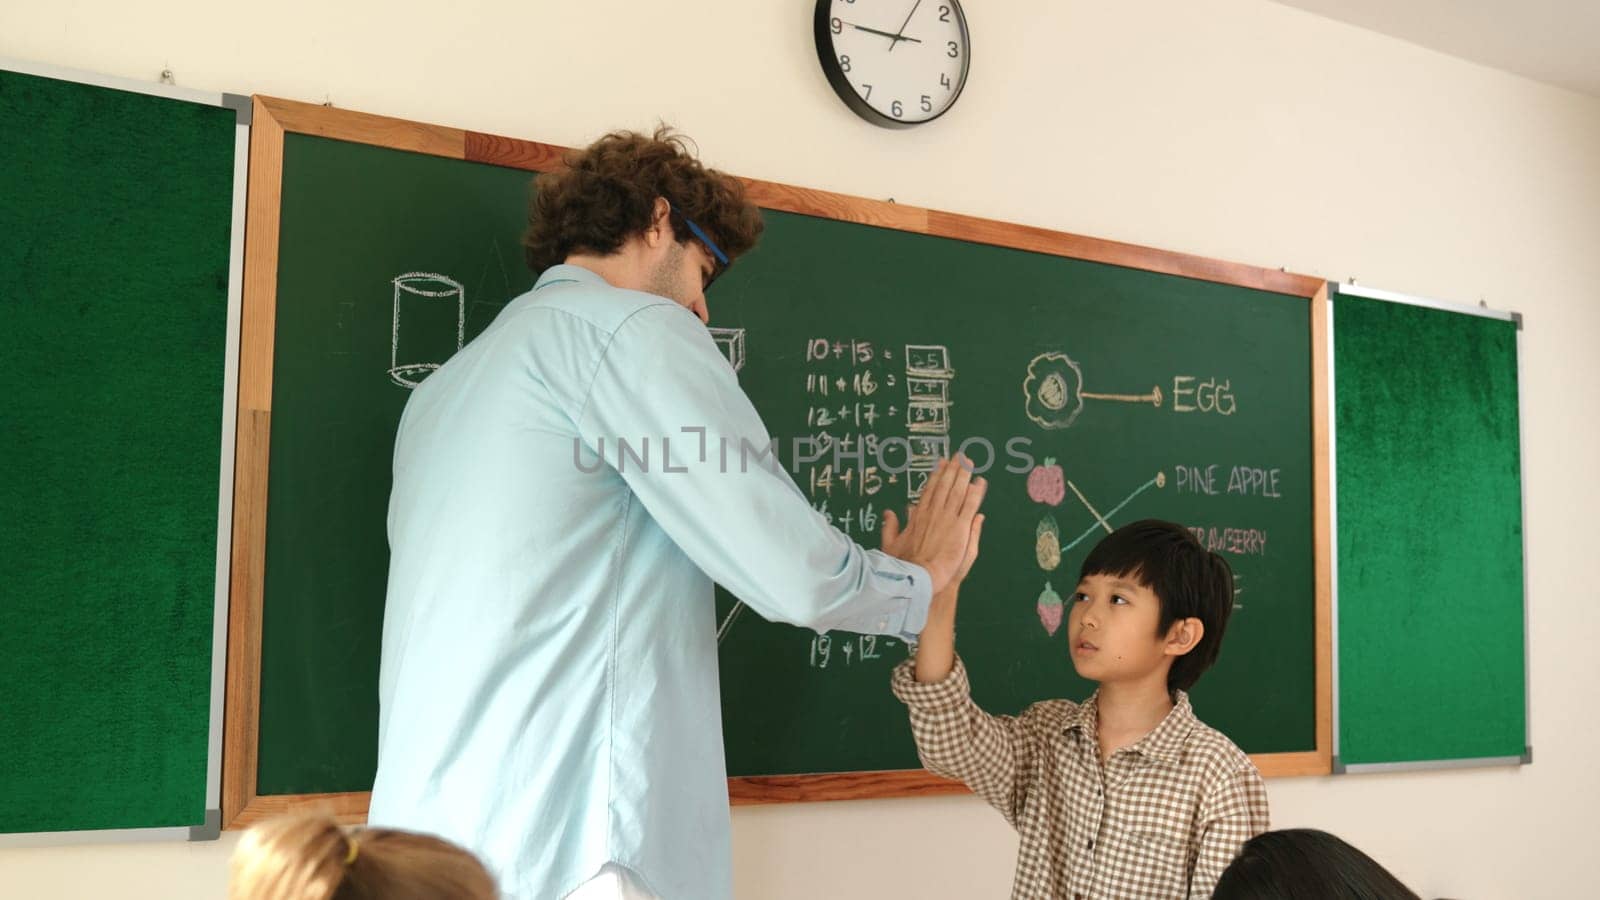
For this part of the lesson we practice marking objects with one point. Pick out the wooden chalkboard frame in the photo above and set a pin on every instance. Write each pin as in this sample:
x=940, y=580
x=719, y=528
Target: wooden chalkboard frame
x=242, y=806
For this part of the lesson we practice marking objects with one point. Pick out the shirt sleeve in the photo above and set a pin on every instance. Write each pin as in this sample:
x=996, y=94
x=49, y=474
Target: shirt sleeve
x=993, y=755
x=1232, y=811
x=698, y=457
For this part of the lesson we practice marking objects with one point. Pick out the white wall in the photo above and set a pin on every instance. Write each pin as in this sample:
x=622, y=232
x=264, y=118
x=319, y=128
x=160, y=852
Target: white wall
x=1231, y=128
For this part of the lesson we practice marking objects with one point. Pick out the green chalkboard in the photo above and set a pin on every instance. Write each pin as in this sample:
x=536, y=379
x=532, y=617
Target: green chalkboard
x=1228, y=450
x=115, y=223
x=1430, y=569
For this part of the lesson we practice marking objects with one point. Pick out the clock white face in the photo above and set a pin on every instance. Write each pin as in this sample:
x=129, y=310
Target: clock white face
x=905, y=59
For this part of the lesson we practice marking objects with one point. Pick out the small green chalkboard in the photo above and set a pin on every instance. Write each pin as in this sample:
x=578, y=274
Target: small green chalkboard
x=1432, y=663
x=116, y=221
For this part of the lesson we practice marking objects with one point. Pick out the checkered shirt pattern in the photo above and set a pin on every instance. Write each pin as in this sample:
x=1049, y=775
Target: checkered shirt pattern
x=1161, y=819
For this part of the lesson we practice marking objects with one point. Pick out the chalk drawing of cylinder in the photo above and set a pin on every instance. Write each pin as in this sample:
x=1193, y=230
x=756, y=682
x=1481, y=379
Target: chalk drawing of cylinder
x=430, y=319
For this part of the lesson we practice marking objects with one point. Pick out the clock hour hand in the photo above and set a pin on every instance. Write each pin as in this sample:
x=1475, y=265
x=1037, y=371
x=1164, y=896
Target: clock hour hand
x=890, y=35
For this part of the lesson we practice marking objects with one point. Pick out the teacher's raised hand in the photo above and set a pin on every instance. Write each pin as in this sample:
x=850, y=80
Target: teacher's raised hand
x=941, y=531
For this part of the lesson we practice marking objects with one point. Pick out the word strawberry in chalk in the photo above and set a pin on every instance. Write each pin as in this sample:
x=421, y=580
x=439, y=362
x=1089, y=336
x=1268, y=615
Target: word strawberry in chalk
x=1047, y=544
x=1050, y=610
x=1046, y=483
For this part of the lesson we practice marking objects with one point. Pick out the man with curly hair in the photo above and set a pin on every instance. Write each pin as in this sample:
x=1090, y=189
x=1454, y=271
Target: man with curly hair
x=566, y=489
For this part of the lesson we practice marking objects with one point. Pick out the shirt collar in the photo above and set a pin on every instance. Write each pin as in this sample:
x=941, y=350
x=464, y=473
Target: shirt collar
x=1164, y=743
x=1083, y=718
x=559, y=273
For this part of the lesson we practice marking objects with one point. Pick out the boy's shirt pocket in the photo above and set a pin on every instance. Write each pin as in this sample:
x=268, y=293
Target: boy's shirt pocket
x=1136, y=858
x=1165, y=856
x=1148, y=833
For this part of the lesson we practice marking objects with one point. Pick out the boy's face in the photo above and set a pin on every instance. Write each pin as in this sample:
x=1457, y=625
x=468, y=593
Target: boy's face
x=1113, y=629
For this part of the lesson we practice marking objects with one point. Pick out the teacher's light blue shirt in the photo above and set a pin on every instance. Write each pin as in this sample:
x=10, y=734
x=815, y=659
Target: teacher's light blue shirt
x=548, y=693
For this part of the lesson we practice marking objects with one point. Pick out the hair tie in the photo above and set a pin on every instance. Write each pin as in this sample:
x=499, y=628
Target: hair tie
x=355, y=848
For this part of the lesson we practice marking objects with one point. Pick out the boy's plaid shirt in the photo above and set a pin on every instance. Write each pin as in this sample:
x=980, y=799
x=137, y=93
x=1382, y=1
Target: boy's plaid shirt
x=1161, y=819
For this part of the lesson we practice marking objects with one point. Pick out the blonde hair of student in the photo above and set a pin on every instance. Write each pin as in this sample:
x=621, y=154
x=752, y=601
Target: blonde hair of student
x=310, y=857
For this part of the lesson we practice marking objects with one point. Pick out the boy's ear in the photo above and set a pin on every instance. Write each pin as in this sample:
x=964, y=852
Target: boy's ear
x=1183, y=636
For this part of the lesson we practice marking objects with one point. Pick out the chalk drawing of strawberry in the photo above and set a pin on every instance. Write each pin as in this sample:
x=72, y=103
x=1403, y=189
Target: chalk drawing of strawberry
x=1046, y=484
x=1047, y=544
x=1050, y=610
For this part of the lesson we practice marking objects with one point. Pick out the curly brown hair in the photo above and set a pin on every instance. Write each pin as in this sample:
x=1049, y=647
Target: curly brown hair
x=608, y=193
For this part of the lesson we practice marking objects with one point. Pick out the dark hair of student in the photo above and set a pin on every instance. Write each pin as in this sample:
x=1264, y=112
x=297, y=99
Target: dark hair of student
x=608, y=193
x=1306, y=864
x=1190, y=581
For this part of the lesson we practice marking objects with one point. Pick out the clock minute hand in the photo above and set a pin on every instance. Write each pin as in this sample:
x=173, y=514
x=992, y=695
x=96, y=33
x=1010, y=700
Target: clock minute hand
x=891, y=36
x=899, y=35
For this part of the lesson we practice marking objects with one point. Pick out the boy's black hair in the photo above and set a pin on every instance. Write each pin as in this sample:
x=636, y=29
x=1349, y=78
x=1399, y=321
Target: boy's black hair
x=1190, y=581
x=1306, y=864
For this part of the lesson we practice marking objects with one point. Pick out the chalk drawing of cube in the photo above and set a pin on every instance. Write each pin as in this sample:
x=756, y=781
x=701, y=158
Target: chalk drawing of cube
x=430, y=320
x=731, y=342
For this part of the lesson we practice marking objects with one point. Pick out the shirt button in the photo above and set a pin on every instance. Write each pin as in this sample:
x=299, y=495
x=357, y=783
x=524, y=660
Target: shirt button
x=1091, y=845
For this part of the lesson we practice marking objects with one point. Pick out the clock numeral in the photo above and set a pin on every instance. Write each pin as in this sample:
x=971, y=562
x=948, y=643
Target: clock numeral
x=895, y=108
x=844, y=62
x=836, y=25
x=868, y=94
x=944, y=80
x=944, y=13
x=927, y=103
x=955, y=50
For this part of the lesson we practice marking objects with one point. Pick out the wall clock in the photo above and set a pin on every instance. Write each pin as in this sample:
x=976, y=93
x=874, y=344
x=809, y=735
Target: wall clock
x=895, y=63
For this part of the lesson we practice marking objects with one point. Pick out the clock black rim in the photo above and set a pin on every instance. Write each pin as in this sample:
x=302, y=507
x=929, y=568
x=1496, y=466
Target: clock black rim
x=842, y=87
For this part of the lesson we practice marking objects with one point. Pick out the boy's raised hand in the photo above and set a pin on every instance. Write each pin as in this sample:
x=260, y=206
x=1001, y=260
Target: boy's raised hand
x=944, y=519
x=942, y=530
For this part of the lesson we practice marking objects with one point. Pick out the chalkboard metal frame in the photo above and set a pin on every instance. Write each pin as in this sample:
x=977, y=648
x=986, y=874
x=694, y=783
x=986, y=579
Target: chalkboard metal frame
x=273, y=118
x=1526, y=758
x=211, y=828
